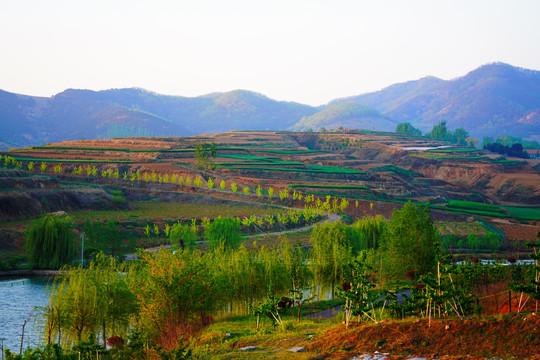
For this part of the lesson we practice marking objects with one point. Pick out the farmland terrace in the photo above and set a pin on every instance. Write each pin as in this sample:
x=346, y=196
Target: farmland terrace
x=371, y=170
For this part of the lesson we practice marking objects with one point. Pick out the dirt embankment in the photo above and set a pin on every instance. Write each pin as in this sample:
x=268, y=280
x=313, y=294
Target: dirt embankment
x=514, y=336
x=466, y=176
x=26, y=195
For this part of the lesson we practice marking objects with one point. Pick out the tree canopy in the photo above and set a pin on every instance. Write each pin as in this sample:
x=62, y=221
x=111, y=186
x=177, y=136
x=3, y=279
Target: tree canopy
x=407, y=128
x=49, y=242
x=459, y=136
x=203, y=154
x=410, y=241
x=223, y=231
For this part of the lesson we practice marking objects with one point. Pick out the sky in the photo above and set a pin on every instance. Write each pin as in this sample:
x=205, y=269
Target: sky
x=306, y=51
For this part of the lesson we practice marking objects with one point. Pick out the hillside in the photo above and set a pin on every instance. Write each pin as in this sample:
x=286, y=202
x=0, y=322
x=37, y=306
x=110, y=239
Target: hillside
x=347, y=114
x=124, y=194
x=84, y=114
x=495, y=99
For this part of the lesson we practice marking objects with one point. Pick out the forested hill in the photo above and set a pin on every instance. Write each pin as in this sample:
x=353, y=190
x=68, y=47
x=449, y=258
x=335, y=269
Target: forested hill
x=350, y=115
x=84, y=114
x=495, y=99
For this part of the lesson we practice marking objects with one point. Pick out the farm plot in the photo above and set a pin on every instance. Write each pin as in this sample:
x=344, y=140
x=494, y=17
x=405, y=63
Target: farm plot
x=173, y=210
x=461, y=229
x=524, y=213
x=452, y=150
x=449, y=157
x=396, y=170
x=476, y=208
x=520, y=232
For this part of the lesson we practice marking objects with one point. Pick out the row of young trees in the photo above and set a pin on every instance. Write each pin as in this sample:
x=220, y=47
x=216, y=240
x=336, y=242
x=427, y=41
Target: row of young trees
x=459, y=136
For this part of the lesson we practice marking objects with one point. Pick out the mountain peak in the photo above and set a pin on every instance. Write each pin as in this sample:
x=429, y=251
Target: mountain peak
x=501, y=69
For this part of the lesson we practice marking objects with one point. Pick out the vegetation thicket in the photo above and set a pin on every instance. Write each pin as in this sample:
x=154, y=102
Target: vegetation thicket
x=514, y=150
x=459, y=136
x=407, y=128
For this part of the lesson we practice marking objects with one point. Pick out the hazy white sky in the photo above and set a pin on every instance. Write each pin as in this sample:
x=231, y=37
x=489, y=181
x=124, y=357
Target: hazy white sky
x=307, y=51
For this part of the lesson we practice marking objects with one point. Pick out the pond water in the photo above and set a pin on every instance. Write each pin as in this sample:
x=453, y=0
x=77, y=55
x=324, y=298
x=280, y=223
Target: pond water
x=18, y=300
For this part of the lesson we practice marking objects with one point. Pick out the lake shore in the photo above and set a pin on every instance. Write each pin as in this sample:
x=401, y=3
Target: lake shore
x=28, y=273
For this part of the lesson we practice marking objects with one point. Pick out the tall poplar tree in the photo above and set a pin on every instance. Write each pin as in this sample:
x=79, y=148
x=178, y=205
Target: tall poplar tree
x=410, y=241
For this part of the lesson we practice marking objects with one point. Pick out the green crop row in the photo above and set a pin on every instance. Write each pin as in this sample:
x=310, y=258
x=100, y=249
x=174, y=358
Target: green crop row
x=523, y=213
x=129, y=150
x=470, y=211
x=248, y=157
x=344, y=187
x=374, y=198
x=310, y=169
x=397, y=170
x=471, y=205
x=264, y=146
x=452, y=150
x=445, y=157
x=73, y=160
x=292, y=152
x=245, y=163
x=106, y=149
x=334, y=169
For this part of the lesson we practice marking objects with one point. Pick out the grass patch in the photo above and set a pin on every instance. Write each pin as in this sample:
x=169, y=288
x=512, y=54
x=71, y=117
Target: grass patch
x=172, y=210
x=217, y=341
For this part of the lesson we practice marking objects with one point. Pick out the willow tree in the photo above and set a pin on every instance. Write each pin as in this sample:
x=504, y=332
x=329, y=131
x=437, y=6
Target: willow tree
x=49, y=242
x=182, y=235
x=369, y=232
x=224, y=231
x=95, y=300
x=331, y=249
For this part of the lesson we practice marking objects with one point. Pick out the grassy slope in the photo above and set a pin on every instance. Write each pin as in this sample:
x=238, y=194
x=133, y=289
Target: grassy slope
x=508, y=336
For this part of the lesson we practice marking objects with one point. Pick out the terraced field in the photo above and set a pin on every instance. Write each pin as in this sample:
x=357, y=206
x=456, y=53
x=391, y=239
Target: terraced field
x=363, y=167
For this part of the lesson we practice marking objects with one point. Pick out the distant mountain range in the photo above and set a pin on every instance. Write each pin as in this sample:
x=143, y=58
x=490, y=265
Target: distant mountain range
x=495, y=99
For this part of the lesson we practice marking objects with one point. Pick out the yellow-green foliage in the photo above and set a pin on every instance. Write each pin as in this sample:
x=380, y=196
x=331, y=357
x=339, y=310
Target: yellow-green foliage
x=49, y=242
